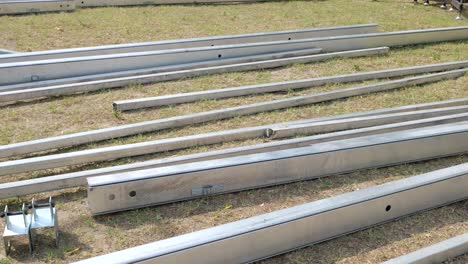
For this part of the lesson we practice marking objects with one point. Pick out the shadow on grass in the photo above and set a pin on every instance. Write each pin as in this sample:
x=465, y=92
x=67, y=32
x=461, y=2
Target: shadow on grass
x=45, y=248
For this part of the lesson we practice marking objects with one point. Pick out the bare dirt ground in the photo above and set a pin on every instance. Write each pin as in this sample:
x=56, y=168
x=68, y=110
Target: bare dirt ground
x=84, y=236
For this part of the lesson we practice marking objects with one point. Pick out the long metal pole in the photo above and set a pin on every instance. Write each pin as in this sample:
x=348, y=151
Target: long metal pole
x=281, y=86
x=94, y=82
x=193, y=42
x=129, y=190
x=70, y=67
x=98, y=3
x=260, y=131
x=436, y=253
x=35, y=6
x=353, y=123
x=187, y=66
x=31, y=71
x=179, y=121
x=50, y=69
x=274, y=233
x=5, y=51
x=75, y=179
x=136, y=149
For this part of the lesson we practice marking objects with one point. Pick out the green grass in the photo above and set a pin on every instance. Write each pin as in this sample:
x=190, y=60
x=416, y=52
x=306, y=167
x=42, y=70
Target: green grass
x=68, y=114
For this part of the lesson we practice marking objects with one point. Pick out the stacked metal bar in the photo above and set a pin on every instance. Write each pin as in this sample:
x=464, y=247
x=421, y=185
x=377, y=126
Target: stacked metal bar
x=65, y=75
x=281, y=231
x=316, y=147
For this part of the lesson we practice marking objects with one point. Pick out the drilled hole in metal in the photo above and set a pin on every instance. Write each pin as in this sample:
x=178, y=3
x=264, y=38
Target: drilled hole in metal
x=111, y=197
x=388, y=208
x=132, y=194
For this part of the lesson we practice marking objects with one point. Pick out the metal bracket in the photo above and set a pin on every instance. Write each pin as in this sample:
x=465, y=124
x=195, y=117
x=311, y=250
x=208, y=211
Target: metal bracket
x=22, y=223
x=16, y=224
x=44, y=216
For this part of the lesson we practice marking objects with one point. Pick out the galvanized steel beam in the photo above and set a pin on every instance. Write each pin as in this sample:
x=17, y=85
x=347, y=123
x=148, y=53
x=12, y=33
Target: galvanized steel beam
x=258, y=131
x=45, y=70
x=98, y=3
x=359, y=122
x=187, y=66
x=274, y=233
x=179, y=121
x=8, y=7
x=436, y=253
x=95, y=82
x=75, y=179
x=129, y=190
x=155, y=146
x=32, y=71
x=193, y=42
x=163, y=100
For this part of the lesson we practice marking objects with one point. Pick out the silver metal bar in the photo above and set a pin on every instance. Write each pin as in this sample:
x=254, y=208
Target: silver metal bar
x=31, y=71
x=98, y=3
x=179, y=121
x=51, y=69
x=155, y=146
x=278, y=232
x=129, y=190
x=5, y=51
x=259, y=131
x=75, y=179
x=187, y=66
x=281, y=86
x=98, y=84
x=193, y=42
x=436, y=253
x=358, y=122
x=35, y=6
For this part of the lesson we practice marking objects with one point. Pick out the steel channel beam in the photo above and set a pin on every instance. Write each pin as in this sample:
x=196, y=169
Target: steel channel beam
x=136, y=149
x=31, y=71
x=76, y=179
x=180, y=121
x=50, y=69
x=436, y=253
x=35, y=6
x=45, y=90
x=129, y=190
x=281, y=86
x=359, y=122
x=281, y=231
x=192, y=43
x=187, y=66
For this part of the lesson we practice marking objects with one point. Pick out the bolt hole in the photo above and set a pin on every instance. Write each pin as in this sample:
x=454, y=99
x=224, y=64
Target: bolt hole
x=388, y=208
x=82, y=2
x=111, y=197
x=219, y=55
x=289, y=38
x=132, y=194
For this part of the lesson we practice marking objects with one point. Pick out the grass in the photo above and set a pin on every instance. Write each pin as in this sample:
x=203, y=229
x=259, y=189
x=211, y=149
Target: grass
x=88, y=236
